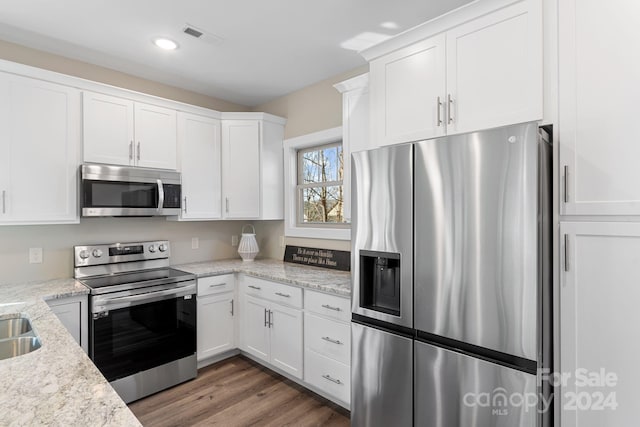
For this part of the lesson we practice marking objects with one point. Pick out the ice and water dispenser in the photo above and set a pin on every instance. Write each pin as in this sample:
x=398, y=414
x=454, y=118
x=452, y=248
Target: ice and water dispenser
x=380, y=281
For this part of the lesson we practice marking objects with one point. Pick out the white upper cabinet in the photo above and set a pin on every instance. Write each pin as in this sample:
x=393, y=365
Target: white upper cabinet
x=123, y=132
x=407, y=91
x=483, y=73
x=200, y=166
x=252, y=166
x=494, y=69
x=598, y=102
x=39, y=151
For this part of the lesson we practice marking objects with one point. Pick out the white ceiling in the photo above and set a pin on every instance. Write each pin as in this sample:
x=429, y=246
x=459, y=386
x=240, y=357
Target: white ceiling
x=268, y=48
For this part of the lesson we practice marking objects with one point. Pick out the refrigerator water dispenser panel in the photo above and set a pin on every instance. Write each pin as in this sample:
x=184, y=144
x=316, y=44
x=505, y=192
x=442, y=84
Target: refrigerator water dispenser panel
x=380, y=281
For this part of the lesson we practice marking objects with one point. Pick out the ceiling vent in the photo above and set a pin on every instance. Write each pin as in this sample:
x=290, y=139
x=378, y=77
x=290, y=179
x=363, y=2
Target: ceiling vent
x=201, y=34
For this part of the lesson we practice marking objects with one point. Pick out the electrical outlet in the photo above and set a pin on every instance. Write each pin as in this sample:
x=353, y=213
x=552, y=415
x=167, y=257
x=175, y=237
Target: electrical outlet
x=35, y=255
x=234, y=240
x=195, y=243
x=282, y=245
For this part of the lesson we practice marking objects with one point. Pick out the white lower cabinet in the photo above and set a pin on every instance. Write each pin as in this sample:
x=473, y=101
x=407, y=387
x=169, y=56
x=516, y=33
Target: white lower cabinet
x=328, y=375
x=599, y=297
x=73, y=313
x=216, y=316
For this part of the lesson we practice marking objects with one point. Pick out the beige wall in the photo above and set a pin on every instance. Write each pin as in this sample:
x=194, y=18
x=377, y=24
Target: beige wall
x=37, y=58
x=311, y=109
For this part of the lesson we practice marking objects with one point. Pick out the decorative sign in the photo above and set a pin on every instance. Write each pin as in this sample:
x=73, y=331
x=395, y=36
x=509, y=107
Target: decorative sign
x=326, y=258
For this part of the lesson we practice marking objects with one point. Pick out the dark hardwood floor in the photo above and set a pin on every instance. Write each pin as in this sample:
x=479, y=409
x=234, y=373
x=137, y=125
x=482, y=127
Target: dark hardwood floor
x=238, y=392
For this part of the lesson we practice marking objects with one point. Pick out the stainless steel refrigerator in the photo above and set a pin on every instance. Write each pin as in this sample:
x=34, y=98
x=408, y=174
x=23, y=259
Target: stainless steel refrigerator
x=451, y=300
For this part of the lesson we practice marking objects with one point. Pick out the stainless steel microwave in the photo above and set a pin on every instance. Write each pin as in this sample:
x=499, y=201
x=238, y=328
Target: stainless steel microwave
x=126, y=191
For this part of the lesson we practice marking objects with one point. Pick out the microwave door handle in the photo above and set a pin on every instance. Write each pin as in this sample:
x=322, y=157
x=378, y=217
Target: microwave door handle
x=160, y=194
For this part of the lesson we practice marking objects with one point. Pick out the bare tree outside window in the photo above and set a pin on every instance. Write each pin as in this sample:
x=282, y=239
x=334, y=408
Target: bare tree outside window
x=320, y=190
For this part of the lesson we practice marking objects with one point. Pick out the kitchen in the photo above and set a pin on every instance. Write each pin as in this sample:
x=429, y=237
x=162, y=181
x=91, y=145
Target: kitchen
x=572, y=61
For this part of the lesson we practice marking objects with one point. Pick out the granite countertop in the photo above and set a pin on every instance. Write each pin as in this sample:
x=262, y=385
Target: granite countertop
x=56, y=385
x=316, y=278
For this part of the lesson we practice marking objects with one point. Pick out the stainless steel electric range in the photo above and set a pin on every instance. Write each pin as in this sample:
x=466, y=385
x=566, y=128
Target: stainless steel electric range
x=142, y=316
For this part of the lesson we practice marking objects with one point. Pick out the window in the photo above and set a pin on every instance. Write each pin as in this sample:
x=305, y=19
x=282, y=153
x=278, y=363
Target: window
x=320, y=191
x=316, y=193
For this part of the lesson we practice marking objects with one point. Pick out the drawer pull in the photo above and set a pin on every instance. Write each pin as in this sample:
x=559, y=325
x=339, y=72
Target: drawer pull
x=283, y=295
x=332, y=340
x=255, y=287
x=333, y=380
x=331, y=307
x=217, y=285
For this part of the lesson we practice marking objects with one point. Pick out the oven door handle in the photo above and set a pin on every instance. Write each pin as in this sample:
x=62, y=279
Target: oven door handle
x=105, y=304
x=160, y=194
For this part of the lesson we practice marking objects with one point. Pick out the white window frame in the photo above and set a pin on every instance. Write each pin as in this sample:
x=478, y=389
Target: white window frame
x=291, y=227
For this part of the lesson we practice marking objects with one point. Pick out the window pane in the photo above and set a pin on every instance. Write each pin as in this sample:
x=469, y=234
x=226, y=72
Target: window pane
x=322, y=165
x=322, y=204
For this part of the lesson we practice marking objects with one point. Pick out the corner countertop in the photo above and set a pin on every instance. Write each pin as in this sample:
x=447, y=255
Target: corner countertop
x=57, y=384
x=314, y=278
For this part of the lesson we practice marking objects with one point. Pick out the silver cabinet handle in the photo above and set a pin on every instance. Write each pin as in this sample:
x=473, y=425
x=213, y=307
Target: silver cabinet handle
x=184, y=209
x=4, y=201
x=218, y=285
x=160, y=194
x=255, y=287
x=138, y=151
x=439, y=106
x=566, y=184
x=327, y=306
x=566, y=252
x=333, y=380
x=227, y=204
x=283, y=295
x=130, y=150
x=331, y=340
x=270, y=319
x=266, y=322
x=232, y=307
x=449, y=103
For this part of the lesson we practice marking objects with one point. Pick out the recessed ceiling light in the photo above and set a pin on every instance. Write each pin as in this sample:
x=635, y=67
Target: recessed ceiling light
x=166, y=44
x=390, y=25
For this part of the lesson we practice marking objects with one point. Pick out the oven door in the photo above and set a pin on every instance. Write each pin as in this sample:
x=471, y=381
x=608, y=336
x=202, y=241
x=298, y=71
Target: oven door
x=133, y=333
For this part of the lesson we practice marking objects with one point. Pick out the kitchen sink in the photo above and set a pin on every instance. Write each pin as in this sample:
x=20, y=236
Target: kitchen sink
x=13, y=347
x=14, y=327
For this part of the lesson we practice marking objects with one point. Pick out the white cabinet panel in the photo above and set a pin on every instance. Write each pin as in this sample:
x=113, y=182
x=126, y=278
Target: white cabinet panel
x=107, y=129
x=200, y=162
x=73, y=313
x=328, y=337
x=40, y=147
x=215, y=284
x=405, y=88
x=598, y=98
x=598, y=313
x=256, y=337
x=328, y=375
x=286, y=339
x=215, y=324
x=332, y=306
x=494, y=69
x=155, y=136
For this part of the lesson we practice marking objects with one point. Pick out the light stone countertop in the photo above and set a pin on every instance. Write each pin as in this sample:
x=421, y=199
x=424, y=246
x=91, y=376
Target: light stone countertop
x=315, y=278
x=56, y=385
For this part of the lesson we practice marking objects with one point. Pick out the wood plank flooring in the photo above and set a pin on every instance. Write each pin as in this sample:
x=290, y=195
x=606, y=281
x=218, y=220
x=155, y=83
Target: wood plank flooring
x=238, y=392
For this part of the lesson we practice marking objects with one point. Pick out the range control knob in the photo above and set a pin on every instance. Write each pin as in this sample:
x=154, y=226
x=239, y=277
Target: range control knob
x=84, y=254
x=152, y=248
x=97, y=253
x=163, y=247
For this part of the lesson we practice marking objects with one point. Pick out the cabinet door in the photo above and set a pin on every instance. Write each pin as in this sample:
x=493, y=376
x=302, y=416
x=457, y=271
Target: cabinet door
x=241, y=168
x=107, y=129
x=599, y=313
x=155, y=137
x=406, y=88
x=598, y=102
x=215, y=325
x=286, y=339
x=255, y=328
x=494, y=69
x=44, y=142
x=199, y=141
x=5, y=138
x=73, y=314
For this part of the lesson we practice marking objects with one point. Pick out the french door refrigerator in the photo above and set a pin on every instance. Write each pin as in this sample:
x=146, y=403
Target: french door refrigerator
x=451, y=283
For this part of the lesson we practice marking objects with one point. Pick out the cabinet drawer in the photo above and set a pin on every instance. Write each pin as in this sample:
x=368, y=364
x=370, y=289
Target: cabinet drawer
x=328, y=305
x=278, y=292
x=328, y=337
x=328, y=375
x=215, y=284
